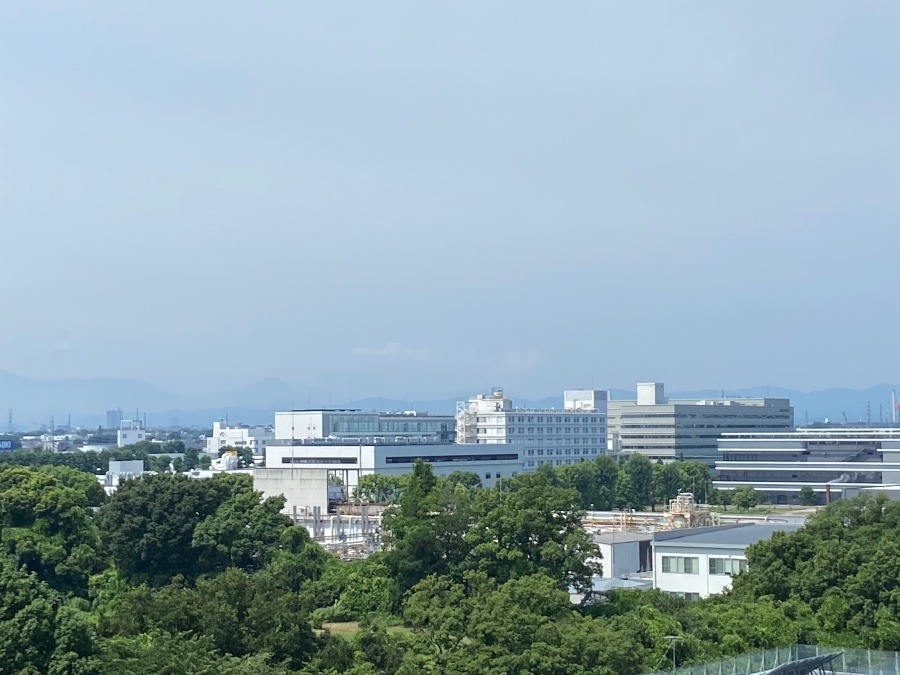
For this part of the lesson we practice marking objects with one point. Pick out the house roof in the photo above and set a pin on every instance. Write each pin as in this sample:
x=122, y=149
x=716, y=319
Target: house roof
x=738, y=536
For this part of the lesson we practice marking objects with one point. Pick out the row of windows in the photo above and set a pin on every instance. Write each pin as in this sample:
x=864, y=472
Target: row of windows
x=683, y=594
x=730, y=566
x=500, y=457
x=549, y=462
x=678, y=425
x=318, y=460
x=521, y=419
x=561, y=451
x=726, y=416
x=678, y=564
x=540, y=431
x=591, y=440
x=499, y=474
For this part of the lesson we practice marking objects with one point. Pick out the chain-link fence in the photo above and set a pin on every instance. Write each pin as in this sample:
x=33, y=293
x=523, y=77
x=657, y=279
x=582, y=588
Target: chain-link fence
x=848, y=661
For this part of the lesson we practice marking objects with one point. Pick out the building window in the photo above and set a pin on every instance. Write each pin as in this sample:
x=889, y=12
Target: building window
x=487, y=475
x=686, y=596
x=678, y=564
x=729, y=566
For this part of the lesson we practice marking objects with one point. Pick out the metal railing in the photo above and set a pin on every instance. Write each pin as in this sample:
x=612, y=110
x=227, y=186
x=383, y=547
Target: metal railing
x=847, y=662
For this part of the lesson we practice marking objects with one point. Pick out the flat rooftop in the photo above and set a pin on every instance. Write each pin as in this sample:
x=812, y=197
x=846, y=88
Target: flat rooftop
x=739, y=535
x=621, y=537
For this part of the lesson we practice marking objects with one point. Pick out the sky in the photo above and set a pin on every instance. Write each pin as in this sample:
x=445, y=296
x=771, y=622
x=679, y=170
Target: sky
x=419, y=199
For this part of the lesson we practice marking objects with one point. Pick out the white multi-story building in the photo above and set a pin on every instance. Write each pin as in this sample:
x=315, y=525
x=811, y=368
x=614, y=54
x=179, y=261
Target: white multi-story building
x=698, y=562
x=240, y=436
x=834, y=463
x=352, y=423
x=666, y=429
x=306, y=472
x=348, y=458
x=549, y=436
x=130, y=432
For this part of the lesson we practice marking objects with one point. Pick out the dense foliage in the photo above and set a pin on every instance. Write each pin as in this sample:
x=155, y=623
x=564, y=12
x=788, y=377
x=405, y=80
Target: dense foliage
x=178, y=575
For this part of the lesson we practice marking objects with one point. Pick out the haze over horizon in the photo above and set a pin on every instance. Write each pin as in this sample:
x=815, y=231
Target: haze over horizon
x=412, y=199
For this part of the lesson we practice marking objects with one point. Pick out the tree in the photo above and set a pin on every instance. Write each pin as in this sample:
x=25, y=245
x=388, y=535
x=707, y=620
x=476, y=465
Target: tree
x=243, y=532
x=468, y=479
x=808, y=497
x=534, y=527
x=378, y=487
x=639, y=472
x=27, y=619
x=696, y=478
x=595, y=481
x=148, y=524
x=425, y=531
x=191, y=457
x=45, y=526
x=667, y=481
x=82, y=481
x=745, y=497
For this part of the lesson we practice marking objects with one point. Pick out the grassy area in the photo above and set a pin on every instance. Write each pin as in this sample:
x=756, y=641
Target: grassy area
x=348, y=629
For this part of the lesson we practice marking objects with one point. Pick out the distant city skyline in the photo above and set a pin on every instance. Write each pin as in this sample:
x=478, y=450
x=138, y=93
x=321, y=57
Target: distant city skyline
x=413, y=199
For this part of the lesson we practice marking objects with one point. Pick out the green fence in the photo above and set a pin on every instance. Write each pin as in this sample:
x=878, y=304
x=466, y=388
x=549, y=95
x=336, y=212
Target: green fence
x=849, y=661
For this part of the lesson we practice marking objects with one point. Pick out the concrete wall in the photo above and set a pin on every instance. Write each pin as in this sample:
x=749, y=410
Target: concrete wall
x=620, y=559
x=302, y=488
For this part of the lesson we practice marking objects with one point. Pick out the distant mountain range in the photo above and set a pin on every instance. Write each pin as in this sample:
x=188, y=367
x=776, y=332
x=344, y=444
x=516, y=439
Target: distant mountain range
x=34, y=402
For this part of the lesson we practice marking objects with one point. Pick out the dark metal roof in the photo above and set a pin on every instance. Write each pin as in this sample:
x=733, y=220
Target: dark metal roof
x=814, y=664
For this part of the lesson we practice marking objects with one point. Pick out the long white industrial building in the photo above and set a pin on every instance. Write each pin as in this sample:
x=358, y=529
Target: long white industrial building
x=834, y=463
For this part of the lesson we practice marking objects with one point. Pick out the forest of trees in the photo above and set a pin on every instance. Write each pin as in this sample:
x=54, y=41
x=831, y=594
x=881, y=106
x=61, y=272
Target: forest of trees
x=179, y=575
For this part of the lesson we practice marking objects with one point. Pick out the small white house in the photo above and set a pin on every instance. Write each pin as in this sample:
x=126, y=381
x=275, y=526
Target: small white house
x=700, y=561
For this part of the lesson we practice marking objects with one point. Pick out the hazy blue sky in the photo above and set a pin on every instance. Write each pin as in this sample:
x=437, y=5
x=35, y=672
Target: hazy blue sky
x=421, y=199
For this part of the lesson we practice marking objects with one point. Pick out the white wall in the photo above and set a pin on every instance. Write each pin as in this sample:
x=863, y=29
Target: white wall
x=702, y=583
x=130, y=437
x=302, y=488
x=356, y=459
x=223, y=436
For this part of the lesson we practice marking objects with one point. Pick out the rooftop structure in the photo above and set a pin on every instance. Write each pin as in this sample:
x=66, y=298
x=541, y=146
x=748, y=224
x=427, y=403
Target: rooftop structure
x=238, y=436
x=832, y=462
x=351, y=422
x=550, y=436
x=665, y=429
x=130, y=432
